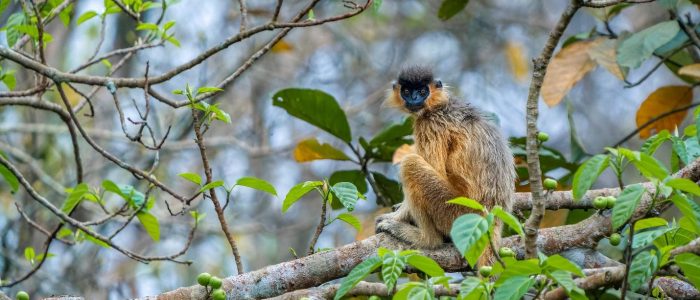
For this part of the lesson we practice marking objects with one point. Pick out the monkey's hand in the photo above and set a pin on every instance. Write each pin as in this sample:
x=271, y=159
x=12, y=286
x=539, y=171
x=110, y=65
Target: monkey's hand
x=387, y=224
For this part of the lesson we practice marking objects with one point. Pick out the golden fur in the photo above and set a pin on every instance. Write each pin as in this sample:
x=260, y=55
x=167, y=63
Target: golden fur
x=457, y=153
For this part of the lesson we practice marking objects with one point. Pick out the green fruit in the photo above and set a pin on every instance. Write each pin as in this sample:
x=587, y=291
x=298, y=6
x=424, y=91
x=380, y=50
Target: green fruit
x=615, y=239
x=215, y=282
x=610, y=201
x=600, y=202
x=550, y=184
x=485, y=271
x=542, y=137
x=203, y=279
x=506, y=252
x=22, y=295
x=218, y=295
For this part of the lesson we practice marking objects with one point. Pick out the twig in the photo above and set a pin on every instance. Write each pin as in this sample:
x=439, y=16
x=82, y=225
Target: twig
x=244, y=14
x=319, y=228
x=199, y=139
x=532, y=147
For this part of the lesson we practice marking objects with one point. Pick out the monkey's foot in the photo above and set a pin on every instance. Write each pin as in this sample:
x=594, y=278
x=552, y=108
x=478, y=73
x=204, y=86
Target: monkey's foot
x=396, y=229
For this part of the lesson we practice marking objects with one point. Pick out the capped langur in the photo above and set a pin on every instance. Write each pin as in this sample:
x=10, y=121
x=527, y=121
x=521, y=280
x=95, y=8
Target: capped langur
x=458, y=153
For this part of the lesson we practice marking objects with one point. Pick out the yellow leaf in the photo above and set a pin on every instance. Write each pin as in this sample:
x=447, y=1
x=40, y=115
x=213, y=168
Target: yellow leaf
x=661, y=101
x=565, y=70
x=72, y=96
x=311, y=149
x=690, y=70
x=281, y=47
x=603, y=53
x=516, y=59
x=401, y=152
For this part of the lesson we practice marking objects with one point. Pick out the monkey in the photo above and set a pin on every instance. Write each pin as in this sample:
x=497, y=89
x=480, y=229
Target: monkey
x=458, y=152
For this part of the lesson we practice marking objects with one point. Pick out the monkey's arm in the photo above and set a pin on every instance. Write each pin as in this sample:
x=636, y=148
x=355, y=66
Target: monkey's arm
x=425, y=195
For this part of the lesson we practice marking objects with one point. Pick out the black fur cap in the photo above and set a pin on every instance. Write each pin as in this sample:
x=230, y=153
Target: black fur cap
x=415, y=76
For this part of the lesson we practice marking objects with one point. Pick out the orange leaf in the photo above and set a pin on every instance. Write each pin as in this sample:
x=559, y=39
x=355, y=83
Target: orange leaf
x=690, y=70
x=516, y=59
x=661, y=101
x=603, y=52
x=401, y=152
x=565, y=70
x=281, y=47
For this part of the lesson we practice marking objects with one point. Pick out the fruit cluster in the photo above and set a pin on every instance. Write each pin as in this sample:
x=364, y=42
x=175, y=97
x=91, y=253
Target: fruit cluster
x=213, y=282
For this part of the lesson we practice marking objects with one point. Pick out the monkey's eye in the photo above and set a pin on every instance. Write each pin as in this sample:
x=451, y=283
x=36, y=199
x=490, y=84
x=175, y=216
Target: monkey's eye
x=423, y=92
x=405, y=92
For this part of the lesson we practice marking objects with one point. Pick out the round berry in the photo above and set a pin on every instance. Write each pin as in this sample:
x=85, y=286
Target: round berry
x=215, y=282
x=218, y=294
x=506, y=252
x=542, y=137
x=550, y=184
x=22, y=295
x=203, y=279
x=485, y=271
x=610, y=201
x=615, y=239
x=600, y=202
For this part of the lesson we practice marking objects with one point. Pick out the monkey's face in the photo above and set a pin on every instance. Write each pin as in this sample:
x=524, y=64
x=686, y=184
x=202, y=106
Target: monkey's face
x=416, y=90
x=417, y=96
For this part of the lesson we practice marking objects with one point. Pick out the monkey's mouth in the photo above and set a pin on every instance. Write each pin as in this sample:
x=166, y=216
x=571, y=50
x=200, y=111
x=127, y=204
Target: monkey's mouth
x=414, y=108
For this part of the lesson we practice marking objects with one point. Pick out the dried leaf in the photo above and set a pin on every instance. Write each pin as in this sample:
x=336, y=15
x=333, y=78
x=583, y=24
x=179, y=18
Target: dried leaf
x=401, y=152
x=565, y=70
x=515, y=53
x=690, y=70
x=661, y=101
x=281, y=47
x=604, y=53
x=312, y=149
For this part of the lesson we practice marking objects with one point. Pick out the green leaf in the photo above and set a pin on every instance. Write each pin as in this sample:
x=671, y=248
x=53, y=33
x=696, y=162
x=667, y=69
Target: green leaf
x=9, y=178
x=464, y=201
x=558, y=262
x=197, y=216
x=173, y=41
x=643, y=238
x=168, y=25
x=3, y=5
x=311, y=149
x=471, y=288
x=86, y=16
x=649, y=223
x=64, y=232
x=626, y=203
x=389, y=188
x=211, y=185
x=13, y=34
x=65, y=14
x=29, y=254
x=516, y=268
x=147, y=26
x=93, y=240
x=685, y=185
x=298, y=191
x=587, y=174
x=508, y=219
x=690, y=265
x=358, y=273
x=450, y=8
x=315, y=107
x=649, y=166
x=258, y=184
x=209, y=89
x=643, y=266
x=355, y=177
x=392, y=267
x=426, y=265
x=467, y=232
x=347, y=193
x=564, y=279
x=654, y=142
x=150, y=223
x=220, y=114
x=192, y=177
x=393, y=132
x=640, y=46
x=74, y=198
x=689, y=209
x=351, y=220
x=8, y=78
x=514, y=288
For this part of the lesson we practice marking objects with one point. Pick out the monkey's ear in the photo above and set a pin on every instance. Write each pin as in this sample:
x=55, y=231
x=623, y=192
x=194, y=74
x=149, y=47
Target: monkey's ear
x=438, y=84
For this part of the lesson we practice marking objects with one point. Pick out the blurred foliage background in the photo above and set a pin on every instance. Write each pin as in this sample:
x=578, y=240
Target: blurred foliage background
x=482, y=54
